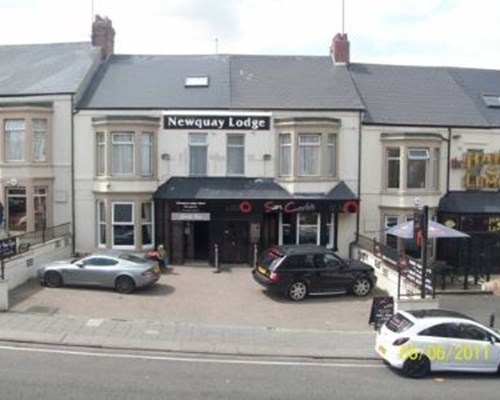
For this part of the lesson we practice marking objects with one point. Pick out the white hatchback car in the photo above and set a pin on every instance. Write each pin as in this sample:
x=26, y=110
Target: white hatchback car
x=419, y=341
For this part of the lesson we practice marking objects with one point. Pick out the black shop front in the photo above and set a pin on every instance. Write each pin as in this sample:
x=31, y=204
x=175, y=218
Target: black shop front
x=233, y=219
x=477, y=213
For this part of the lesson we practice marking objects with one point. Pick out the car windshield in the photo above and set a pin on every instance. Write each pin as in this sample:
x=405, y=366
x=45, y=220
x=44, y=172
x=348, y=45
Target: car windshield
x=398, y=323
x=270, y=258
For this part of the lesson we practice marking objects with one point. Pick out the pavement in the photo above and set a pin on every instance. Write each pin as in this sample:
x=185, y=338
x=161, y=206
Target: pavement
x=193, y=310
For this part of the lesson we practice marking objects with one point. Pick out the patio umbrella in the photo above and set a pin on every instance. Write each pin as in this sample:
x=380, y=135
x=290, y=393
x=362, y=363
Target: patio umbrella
x=435, y=230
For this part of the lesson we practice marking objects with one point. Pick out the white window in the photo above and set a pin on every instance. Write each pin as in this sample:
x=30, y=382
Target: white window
x=393, y=167
x=101, y=223
x=100, y=153
x=123, y=153
x=417, y=164
x=285, y=140
x=147, y=223
x=235, y=154
x=412, y=167
x=331, y=155
x=309, y=154
x=308, y=228
x=123, y=224
x=146, y=154
x=39, y=139
x=15, y=131
x=198, y=148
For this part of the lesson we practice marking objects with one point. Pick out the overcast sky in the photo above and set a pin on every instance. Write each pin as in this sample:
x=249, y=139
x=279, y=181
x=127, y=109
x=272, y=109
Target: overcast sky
x=418, y=32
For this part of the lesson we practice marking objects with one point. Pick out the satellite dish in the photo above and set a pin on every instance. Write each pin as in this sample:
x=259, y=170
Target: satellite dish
x=13, y=182
x=417, y=201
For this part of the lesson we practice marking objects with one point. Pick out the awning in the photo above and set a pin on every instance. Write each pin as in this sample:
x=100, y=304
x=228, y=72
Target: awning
x=470, y=202
x=227, y=188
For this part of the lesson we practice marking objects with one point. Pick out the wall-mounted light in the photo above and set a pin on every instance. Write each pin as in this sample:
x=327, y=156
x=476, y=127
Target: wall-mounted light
x=456, y=136
x=165, y=156
x=267, y=157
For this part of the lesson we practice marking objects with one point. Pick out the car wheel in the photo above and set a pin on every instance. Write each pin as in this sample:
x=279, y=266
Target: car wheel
x=53, y=279
x=417, y=366
x=124, y=284
x=361, y=287
x=297, y=291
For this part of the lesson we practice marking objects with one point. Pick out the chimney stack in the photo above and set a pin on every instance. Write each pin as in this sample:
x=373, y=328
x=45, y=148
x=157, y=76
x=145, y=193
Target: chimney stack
x=339, y=49
x=103, y=35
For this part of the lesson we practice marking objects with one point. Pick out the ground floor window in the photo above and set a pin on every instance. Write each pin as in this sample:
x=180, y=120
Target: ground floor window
x=125, y=224
x=40, y=207
x=17, y=208
x=308, y=228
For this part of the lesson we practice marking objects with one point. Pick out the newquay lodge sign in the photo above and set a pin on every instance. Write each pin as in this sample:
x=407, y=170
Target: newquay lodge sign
x=482, y=170
x=217, y=122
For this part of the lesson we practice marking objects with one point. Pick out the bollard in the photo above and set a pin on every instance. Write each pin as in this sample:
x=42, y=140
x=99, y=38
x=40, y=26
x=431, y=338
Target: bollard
x=216, y=259
x=492, y=320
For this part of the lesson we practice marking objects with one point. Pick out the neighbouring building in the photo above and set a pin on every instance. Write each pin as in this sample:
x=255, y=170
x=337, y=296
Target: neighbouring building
x=39, y=87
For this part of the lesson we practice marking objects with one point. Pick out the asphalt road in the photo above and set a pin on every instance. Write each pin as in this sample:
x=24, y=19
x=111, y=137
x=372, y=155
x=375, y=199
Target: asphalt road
x=54, y=373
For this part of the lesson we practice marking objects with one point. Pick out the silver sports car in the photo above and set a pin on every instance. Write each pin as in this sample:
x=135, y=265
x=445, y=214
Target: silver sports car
x=121, y=271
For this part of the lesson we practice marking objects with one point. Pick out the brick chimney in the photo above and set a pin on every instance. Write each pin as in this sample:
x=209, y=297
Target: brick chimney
x=103, y=35
x=339, y=49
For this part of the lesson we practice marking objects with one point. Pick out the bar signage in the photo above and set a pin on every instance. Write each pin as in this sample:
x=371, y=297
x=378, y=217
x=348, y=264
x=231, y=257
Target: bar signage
x=219, y=122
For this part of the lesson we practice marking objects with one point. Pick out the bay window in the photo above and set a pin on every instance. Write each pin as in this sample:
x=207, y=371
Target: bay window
x=39, y=139
x=125, y=147
x=123, y=224
x=408, y=167
x=307, y=148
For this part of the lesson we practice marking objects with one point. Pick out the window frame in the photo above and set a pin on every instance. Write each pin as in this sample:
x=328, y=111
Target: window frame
x=122, y=223
x=192, y=145
x=235, y=148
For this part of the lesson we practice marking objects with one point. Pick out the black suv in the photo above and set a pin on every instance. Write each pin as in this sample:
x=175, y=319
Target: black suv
x=299, y=270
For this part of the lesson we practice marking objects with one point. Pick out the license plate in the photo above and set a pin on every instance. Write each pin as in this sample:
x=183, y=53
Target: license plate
x=382, y=349
x=157, y=269
x=262, y=270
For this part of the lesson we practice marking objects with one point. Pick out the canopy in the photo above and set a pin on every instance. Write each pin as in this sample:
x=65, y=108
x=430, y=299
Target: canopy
x=435, y=230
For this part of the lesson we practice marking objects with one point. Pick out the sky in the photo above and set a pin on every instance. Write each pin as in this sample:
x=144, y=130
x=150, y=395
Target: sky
x=462, y=33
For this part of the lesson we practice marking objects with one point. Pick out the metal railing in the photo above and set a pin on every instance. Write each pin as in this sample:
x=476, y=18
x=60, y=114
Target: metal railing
x=11, y=246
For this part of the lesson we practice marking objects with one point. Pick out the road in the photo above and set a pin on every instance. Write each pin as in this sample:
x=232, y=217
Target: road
x=65, y=373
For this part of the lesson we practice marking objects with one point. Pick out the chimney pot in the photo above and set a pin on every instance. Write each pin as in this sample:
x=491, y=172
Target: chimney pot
x=339, y=49
x=103, y=35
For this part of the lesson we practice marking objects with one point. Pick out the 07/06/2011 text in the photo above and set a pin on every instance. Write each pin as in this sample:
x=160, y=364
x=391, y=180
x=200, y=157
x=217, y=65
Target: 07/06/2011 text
x=452, y=352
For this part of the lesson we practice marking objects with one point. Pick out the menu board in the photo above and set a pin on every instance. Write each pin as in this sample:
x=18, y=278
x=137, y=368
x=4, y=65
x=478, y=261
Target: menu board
x=382, y=310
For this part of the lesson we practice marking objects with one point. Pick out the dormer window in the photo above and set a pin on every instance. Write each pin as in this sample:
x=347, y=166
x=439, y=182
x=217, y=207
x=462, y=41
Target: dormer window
x=196, y=81
x=492, y=100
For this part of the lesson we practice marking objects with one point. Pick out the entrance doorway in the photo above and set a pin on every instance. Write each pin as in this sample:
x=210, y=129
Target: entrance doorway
x=196, y=240
x=235, y=242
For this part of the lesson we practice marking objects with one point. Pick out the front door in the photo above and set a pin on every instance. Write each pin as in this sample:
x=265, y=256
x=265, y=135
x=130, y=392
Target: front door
x=235, y=241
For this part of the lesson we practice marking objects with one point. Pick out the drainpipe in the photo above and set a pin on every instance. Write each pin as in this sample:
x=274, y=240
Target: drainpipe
x=73, y=217
x=351, y=245
x=359, y=172
x=448, y=160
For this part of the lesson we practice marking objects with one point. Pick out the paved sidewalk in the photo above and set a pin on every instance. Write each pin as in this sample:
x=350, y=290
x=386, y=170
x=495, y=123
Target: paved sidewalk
x=184, y=337
x=237, y=318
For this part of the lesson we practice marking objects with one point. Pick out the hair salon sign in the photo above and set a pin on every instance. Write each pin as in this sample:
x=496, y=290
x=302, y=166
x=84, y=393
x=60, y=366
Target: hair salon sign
x=217, y=122
x=482, y=170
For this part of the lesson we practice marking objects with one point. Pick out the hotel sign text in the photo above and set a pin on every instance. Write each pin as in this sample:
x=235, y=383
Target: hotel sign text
x=219, y=122
x=482, y=170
